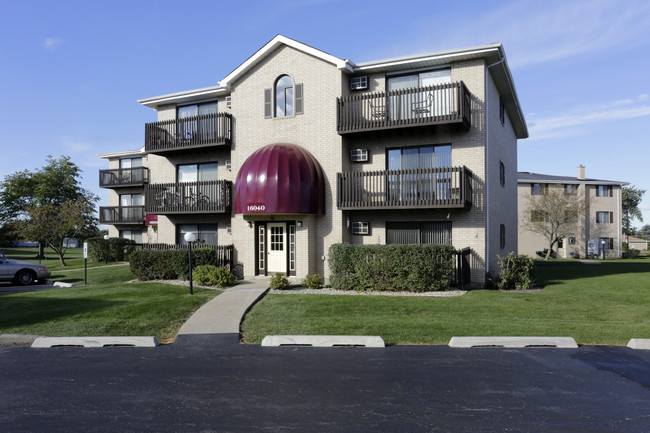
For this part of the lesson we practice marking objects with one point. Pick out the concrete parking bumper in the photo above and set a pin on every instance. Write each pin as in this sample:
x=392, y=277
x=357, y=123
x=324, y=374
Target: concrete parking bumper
x=518, y=342
x=48, y=342
x=323, y=340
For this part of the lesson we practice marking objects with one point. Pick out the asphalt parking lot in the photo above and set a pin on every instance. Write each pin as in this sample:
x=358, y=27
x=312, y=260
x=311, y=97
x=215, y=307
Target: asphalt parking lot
x=210, y=383
x=8, y=287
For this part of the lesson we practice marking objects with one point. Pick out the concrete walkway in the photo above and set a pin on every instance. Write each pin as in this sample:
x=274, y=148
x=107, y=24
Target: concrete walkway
x=224, y=313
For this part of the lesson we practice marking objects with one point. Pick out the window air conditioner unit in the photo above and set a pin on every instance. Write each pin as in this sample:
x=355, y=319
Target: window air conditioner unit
x=360, y=228
x=228, y=102
x=359, y=155
x=359, y=83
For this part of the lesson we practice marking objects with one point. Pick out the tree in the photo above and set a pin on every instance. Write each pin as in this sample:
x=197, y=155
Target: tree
x=554, y=214
x=631, y=198
x=34, y=203
x=53, y=223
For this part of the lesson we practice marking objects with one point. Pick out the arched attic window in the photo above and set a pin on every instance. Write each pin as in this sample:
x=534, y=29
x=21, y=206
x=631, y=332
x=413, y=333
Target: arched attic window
x=287, y=97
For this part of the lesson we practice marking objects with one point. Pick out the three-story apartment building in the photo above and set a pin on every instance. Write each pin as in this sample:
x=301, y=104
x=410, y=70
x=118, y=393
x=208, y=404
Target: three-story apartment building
x=597, y=232
x=296, y=150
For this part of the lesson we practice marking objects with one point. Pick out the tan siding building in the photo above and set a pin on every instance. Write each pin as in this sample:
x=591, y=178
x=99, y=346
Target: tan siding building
x=598, y=231
x=297, y=150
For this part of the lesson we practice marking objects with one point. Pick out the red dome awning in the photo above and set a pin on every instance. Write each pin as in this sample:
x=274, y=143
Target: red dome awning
x=280, y=179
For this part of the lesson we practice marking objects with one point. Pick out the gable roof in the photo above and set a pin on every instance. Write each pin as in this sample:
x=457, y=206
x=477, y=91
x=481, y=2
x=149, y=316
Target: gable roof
x=528, y=177
x=493, y=55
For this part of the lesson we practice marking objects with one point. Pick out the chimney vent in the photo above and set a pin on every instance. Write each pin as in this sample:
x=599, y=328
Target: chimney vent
x=581, y=172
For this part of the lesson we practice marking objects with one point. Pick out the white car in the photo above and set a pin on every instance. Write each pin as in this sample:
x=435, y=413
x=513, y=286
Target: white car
x=23, y=273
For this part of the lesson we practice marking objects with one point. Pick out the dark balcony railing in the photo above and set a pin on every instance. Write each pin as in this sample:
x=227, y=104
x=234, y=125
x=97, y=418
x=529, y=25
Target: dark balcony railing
x=188, y=133
x=405, y=189
x=422, y=106
x=213, y=196
x=136, y=176
x=121, y=215
x=223, y=253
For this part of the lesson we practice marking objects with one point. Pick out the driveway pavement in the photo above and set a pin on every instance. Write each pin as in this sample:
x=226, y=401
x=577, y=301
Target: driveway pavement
x=211, y=383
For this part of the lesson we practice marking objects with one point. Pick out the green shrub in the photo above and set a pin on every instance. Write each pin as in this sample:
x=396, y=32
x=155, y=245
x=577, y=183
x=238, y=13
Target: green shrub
x=415, y=268
x=632, y=253
x=169, y=264
x=313, y=281
x=117, y=249
x=210, y=275
x=279, y=282
x=516, y=272
x=152, y=265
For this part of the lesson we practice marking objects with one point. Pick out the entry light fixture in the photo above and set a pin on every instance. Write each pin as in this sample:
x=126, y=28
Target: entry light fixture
x=249, y=224
x=299, y=223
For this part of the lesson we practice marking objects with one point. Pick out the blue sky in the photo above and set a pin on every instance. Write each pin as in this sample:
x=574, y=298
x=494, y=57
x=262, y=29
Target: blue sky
x=71, y=71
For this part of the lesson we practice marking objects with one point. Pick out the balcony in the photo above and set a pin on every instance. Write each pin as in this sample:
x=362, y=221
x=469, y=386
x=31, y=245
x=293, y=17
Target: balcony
x=123, y=177
x=121, y=215
x=427, y=188
x=406, y=108
x=213, y=196
x=190, y=133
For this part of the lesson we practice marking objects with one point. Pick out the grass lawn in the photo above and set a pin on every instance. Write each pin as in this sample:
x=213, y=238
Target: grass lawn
x=106, y=306
x=73, y=257
x=605, y=303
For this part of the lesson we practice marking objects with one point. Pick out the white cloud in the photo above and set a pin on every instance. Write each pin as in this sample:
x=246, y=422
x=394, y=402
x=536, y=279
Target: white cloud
x=568, y=123
x=535, y=32
x=51, y=44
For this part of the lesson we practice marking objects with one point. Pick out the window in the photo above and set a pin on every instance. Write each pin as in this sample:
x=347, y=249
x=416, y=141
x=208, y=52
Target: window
x=426, y=185
x=502, y=174
x=502, y=112
x=502, y=236
x=604, y=217
x=538, y=216
x=131, y=162
x=132, y=208
x=197, y=172
x=292, y=247
x=608, y=243
x=189, y=124
x=572, y=240
x=603, y=191
x=360, y=228
x=261, y=247
x=570, y=189
x=538, y=188
x=416, y=232
x=288, y=98
x=205, y=233
x=428, y=102
x=134, y=235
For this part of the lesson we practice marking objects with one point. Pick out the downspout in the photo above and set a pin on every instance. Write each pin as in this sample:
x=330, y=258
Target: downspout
x=620, y=224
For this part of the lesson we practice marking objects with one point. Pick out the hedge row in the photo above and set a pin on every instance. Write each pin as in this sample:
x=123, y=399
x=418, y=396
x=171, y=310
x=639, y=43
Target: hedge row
x=117, y=249
x=169, y=264
x=413, y=268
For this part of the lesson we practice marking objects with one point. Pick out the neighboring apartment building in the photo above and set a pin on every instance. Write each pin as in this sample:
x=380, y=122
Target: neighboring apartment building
x=296, y=150
x=598, y=231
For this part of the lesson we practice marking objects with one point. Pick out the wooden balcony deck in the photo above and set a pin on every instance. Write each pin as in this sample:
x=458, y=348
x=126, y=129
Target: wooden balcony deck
x=190, y=133
x=406, y=108
x=123, y=177
x=405, y=189
x=213, y=196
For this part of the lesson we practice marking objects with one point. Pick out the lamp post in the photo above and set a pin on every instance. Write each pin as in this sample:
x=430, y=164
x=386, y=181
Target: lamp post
x=190, y=238
x=106, y=248
x=602, y=244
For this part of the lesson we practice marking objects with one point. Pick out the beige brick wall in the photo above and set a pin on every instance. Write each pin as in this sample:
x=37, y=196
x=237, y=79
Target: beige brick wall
x=315, y=130
x=480, y=149
x=502, y=209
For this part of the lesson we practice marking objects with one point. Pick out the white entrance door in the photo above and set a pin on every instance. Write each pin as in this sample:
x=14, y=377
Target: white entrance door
x=277, y=247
